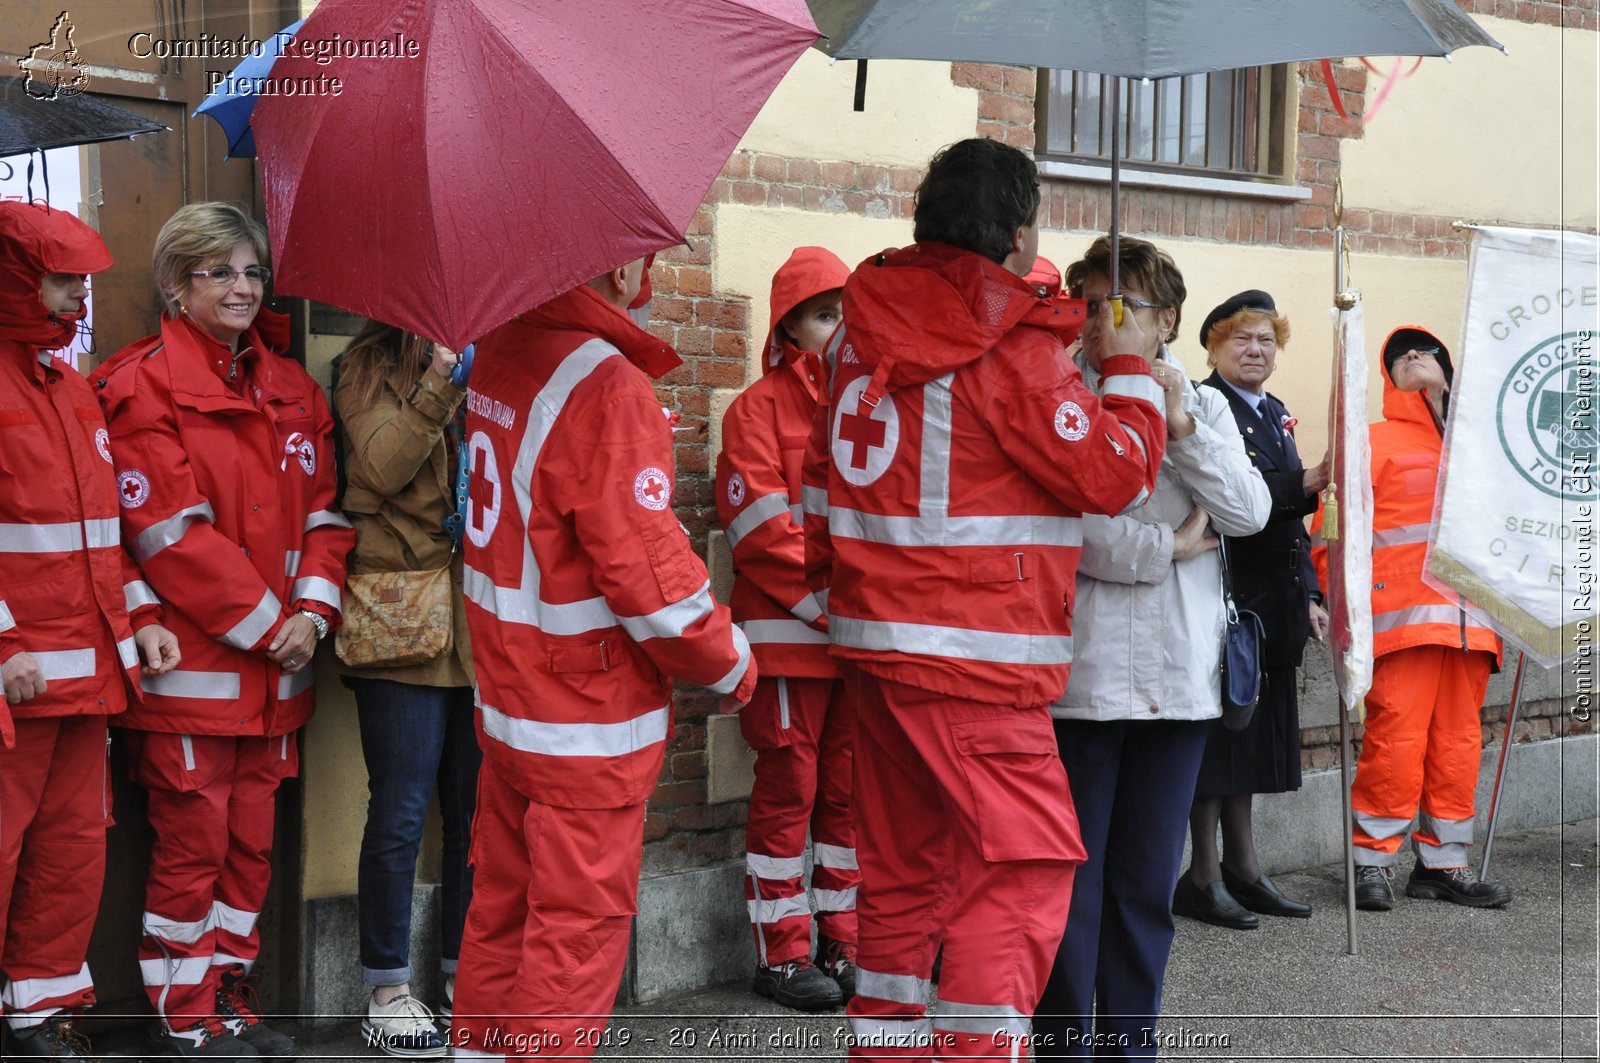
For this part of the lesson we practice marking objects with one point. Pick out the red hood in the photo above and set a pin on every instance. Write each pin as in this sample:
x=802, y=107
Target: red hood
x=37, y=241
x=809, y=271
x=1405, y=405
x=584, y=310
x=931, y=308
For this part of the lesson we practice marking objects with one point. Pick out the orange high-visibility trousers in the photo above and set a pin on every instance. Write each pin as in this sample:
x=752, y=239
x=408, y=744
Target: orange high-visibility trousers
x=1421, y=751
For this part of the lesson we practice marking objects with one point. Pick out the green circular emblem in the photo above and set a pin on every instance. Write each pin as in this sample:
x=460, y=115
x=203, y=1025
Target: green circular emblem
x=1547, y=418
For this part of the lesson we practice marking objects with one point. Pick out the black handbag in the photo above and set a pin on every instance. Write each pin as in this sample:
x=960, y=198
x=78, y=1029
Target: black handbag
x=1241, y=657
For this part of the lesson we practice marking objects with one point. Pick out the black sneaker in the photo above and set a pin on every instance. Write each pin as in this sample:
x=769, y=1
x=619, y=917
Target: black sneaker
x=798, y=984
x=209, y=1038
x=240, y=1012
x=838, y=961
x=54, y=1038
x=1374, y=891
x=1456, y=885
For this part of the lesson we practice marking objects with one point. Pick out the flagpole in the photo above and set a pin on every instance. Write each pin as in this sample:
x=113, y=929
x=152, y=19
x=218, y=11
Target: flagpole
x=1344, y=300
x=1500, y=772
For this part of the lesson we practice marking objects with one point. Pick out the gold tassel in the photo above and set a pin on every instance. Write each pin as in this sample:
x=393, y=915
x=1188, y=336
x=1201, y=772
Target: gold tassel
x=1330, y=513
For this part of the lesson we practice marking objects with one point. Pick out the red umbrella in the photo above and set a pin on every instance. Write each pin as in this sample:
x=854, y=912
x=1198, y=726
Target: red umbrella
x=482, y=156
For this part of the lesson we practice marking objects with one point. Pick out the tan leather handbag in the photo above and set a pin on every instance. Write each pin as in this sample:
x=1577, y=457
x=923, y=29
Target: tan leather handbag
x=392, y=619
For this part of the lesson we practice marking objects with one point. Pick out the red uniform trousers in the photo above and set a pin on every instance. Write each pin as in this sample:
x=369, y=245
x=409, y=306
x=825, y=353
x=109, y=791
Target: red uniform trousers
x=1423, y=744
x=212, y=807
x=53, y=814
x=554, y=892
x=968, y=838
x=803, y=733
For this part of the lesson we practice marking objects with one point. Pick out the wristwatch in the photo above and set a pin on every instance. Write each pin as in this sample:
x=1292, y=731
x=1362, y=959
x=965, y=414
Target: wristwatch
x=318, y=622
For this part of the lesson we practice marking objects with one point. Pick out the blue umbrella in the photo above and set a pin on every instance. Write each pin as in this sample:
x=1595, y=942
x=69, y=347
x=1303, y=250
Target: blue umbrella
x=232, y=103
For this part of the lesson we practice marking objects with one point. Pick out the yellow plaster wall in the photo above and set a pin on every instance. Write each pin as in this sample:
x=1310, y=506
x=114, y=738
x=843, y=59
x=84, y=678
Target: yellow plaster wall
x=1485, y=136
x=912, y=110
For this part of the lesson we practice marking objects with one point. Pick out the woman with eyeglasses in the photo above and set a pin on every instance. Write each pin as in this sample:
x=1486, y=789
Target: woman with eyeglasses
x=1147, y=638
x=1272, y=577
x=223, y=450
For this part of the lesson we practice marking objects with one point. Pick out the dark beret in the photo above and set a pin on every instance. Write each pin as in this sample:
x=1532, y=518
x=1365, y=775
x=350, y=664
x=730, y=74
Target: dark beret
x=1253, y=299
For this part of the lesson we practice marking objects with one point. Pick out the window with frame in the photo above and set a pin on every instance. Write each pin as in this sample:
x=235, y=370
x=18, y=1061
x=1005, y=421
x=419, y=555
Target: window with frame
x=1229, y=123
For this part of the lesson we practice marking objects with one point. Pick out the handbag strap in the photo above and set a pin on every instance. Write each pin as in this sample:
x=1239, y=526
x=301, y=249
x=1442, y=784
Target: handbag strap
x=1227, y=582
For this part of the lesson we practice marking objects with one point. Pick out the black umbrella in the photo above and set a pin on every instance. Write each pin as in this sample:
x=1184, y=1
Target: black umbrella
x=1139, y=38
x=28, y=123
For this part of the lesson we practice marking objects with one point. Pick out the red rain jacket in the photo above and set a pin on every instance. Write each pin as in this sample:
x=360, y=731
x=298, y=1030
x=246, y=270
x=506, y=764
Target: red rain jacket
x=1407, y=449
x=583, y=592
x=67, y=586
x=962, y=449
x=758, y=485
x=227, y=495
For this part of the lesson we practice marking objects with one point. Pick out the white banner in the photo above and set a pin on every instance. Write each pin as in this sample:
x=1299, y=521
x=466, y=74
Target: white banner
x=1514, y=519
x=1349, y=538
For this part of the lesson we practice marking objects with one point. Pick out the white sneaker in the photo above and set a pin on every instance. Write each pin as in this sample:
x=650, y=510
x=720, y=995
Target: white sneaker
x=447, y=1010
x=402, y=1027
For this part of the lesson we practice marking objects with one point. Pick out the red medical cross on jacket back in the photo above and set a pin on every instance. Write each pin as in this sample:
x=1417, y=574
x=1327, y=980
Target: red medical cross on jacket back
x=863, y=433
x=480, y=490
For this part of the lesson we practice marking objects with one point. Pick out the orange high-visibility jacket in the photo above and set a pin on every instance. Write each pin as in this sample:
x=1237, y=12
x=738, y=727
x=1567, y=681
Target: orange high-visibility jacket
x=963, y=448
x=227, y=500
x=758, y=485
x=583, y=592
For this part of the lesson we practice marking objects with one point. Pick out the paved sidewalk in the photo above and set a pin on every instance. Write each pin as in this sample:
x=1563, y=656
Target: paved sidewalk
x=1432, y=981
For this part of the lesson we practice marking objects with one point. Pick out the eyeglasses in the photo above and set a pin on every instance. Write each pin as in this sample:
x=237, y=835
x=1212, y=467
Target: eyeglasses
x=1431, y=352
x=1128, y=303
x=225, y=275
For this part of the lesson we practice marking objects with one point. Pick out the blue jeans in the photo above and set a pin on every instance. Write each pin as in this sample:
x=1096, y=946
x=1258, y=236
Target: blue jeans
x=1132, y=782
x=412, y=736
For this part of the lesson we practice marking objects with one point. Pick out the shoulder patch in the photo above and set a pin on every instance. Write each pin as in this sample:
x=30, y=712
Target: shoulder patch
x=133, y=488
x=652, y=489
x=1071, y=423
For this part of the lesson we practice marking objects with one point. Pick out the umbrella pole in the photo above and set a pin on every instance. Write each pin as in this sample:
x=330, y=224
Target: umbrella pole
x=1116, y=192
x=1500, y=772
x=1343, y=300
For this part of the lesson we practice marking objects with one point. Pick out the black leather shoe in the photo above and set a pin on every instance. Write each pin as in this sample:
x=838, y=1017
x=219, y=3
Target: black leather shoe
x=1373, y=890
x=1211, y=904
x=798, y=984
x=1263, y=897
x=1457, y=885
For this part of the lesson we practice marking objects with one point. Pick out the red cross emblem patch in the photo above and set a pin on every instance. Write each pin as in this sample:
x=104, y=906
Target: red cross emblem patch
x=102, y=443
x=736, y=489
x=652, y=489
x=1072, y=424
x=133, y=488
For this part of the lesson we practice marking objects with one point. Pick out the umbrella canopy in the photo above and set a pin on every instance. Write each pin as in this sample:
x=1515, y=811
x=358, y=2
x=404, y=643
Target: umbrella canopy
x=31, y=124
x=514, y=149
x=1141, y=38
x=231, y=103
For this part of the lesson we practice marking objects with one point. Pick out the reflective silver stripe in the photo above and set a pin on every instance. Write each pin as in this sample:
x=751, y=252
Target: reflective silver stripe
x=1134, y=386
x=576, y=739
x=1138, y=440
x=783, y=632
x=822, y=598
x=23, y=994
x=1451, y=854
x=326, y=518
x=65, y=664
x=187, y=970
x=316, y=589
x=999, y=1019
x=672, y=619
x=835, y=900
x=756, y=514
x=889, y=1033
x=937, y=404
x=175, y=930
x=814, y=501
x=296, y=683
x=1138, y=500
x=164, y=533
x=797, y=513
x=1446, y=830
x=222, y=959
x=941, y=530
x=774, y=909
x=1381, y=826
x=136, y=594
x=41, y=538
x=233, y=920
x=1416, y=614
x=522, y=605
x=898, y=988
x=212, y=686
x=291, y=563
x=254, y=627
x=7, y=621
x=1000, y=647
x=187, y=742
x=774, y=867
x=103, y=532
x=783, y=702
x=1402, y=536
x=128, y=652
x=835, y=856
x=730, y=682
x=807, y=609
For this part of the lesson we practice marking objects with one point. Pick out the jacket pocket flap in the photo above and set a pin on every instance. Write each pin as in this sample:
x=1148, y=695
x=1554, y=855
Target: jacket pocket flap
x=211, y=403
x=1003, y=568
x=582, y=657
x=981, y=740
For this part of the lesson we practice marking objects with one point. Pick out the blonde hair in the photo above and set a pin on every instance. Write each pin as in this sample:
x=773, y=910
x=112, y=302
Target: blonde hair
x=378, y=352
x=1222, y=331
x=196, y=234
